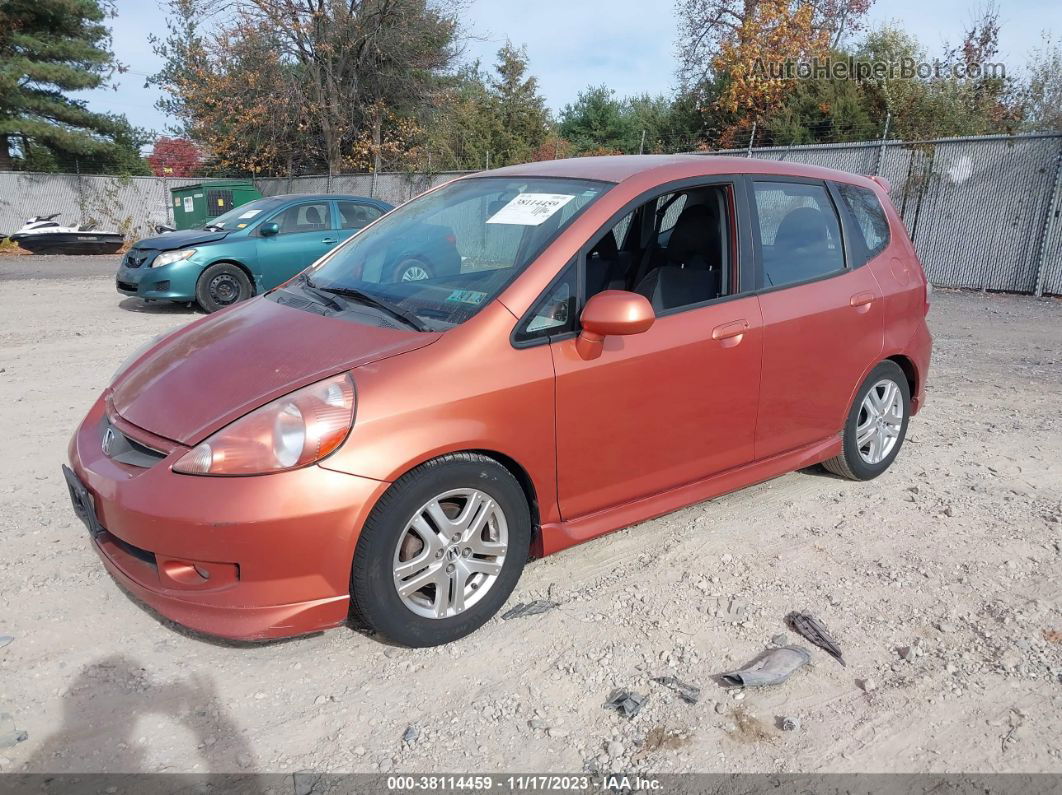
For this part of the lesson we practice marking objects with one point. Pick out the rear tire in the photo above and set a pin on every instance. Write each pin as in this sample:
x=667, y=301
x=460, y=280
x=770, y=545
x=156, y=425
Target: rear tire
x=453, y=535
x=222, y=284
x=876, y=425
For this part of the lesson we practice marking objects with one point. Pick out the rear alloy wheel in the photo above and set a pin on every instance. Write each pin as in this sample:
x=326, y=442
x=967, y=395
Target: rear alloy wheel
x=222, y=285
x=442, y=550
x=412, y=270
x=876, y=425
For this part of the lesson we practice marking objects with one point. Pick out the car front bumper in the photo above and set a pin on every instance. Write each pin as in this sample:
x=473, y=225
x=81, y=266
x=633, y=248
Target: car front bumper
x=276, y=549
x=174, y=282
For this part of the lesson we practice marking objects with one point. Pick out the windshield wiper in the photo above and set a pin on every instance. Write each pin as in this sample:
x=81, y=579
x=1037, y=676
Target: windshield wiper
x=395, y=311
x=316, y=292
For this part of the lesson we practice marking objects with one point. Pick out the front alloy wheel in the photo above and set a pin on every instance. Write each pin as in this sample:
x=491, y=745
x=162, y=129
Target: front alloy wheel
x=442, y=550
x=451, y=553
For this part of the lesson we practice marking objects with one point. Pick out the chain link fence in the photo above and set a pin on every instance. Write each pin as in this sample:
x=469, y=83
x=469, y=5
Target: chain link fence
x=983, y=213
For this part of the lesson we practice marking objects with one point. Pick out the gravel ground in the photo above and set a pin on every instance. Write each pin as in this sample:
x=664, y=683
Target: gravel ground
x=940, y=581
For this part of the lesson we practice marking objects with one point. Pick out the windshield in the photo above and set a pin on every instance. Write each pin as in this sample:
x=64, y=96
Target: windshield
x=444, y=255
x=244, y=215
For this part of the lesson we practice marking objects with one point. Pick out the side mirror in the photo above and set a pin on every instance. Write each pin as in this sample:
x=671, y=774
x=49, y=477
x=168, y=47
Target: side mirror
x=612, y=313
x=270, y=229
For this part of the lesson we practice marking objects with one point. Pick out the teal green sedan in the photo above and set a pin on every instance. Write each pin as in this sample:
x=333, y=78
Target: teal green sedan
x=250, y=250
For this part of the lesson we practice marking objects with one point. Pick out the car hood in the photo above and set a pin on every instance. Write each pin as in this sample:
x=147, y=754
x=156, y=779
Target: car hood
x=180, y=239
x=219, y=368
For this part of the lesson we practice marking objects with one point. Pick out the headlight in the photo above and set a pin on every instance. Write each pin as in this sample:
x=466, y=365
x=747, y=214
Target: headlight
x=291, y=432
x=170, y=257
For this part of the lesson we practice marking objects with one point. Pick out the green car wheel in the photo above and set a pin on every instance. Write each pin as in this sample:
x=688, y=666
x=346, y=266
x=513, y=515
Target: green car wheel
x=222, y=285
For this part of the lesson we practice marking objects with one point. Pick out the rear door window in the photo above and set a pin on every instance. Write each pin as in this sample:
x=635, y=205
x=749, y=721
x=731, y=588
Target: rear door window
x=799, y=232
x=869, y=216
x=353, y=215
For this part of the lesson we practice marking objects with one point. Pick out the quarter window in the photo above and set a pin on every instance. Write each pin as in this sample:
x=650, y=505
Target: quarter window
x=869, y=217
x=800, y=236
x=555, y=311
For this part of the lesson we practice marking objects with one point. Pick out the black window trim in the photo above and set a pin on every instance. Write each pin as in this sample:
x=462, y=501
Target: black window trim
x=743, y=253
x=754, y=222
x=867, y=253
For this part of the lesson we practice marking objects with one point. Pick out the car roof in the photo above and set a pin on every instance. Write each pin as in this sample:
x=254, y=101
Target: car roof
x=325, y=196
x=617, y=168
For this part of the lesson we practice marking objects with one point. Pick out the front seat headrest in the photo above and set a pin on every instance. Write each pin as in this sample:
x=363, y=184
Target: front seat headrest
x=695, y=234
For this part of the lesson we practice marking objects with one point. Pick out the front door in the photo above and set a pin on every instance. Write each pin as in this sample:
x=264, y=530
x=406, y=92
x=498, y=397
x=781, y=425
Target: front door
x=659, y=409
x=307, y=232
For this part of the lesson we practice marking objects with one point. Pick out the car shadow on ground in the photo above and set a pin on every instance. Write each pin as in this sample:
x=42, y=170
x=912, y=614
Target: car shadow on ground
x=141, y=306
x=101, y=711
x=818, y=470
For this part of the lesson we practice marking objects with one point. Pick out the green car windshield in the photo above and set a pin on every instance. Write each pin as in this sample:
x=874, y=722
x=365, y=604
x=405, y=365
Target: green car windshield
x=244, y=215
x=444, y=255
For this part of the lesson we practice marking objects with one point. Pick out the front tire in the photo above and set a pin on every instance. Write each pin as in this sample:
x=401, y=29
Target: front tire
x=442, y=550
x=222, y=285
x=876, y=425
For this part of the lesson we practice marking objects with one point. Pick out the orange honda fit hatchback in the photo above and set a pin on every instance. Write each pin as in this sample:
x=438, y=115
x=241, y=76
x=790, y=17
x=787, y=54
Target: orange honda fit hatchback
x=625, y=336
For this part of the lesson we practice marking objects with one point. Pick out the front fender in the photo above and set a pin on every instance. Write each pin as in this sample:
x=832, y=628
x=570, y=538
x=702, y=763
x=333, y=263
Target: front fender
x=465, y=392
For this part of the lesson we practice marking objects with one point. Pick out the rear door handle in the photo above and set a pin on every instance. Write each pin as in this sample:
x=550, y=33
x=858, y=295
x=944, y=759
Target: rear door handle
x=862, y=299
x=730, y=333
x=329, y=240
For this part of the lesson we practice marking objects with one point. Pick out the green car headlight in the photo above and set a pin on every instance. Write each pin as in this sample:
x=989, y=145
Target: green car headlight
x=170, y=257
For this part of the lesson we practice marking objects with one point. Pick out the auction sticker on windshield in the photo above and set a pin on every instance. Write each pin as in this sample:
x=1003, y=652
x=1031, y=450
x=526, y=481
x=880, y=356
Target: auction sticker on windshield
x=530, y=209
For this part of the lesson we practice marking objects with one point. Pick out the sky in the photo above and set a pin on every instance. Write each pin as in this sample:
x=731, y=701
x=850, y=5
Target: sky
x=626, y=44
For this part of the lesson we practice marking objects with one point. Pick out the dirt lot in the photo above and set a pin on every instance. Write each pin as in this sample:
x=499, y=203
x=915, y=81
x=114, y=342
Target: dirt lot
x=940, y=580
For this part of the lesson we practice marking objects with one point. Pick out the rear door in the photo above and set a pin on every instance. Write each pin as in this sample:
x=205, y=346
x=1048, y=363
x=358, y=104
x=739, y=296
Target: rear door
x=823, y=321
x=307, y=232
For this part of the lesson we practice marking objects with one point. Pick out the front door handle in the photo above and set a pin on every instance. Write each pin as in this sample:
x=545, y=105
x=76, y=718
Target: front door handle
x=329, y=240
x=862, y=299
x=730, y=334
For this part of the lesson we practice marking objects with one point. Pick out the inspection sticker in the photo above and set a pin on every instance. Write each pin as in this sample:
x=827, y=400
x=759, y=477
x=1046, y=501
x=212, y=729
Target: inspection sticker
x=467, y=296
x=530, y=209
